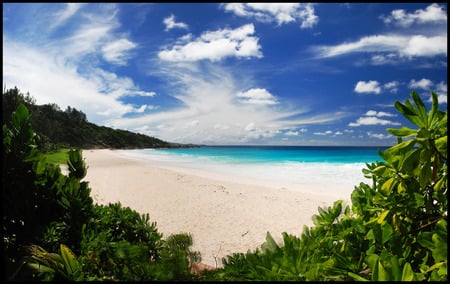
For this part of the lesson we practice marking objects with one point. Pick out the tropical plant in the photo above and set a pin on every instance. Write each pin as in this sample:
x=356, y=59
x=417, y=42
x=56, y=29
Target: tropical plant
x=40, y=204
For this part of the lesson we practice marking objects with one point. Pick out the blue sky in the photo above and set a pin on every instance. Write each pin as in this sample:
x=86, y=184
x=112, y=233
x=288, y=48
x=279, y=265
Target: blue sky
x=278, y=74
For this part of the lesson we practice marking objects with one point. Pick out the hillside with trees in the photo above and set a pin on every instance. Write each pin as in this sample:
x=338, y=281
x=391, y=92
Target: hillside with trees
x=70, y=128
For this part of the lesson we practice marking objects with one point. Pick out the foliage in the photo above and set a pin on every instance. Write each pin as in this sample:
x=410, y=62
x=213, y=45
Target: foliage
x=46, y=211
x=40, y=204
x=62, y=266
x=58, y=157
x=394, y=230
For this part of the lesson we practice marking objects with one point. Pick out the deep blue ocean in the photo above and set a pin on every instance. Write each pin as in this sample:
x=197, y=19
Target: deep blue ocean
x=340, y=166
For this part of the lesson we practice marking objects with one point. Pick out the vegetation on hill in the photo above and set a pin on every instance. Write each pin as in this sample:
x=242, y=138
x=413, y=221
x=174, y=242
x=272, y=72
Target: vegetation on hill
x=395, y=229
x=69, y=128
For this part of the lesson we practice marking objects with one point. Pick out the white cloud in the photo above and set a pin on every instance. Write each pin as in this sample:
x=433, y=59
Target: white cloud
x=423, y=83
x=408, y=46
x=432, y=14
x=379, y=113
x=372, y=120
x=379, y=135
x=215, y=46
x=420, y=45
x=328, y=132
x=31, y=69
x=382, y=59
x=62, y=16
x=208, y=94
x=117, y=51
x=142, y=108
x=291, y=133
x=281, y=13
x=171, y=24
x=257, y=96
x=441, y=91
x=368, y=87
x=392, y=86
x=71, y=64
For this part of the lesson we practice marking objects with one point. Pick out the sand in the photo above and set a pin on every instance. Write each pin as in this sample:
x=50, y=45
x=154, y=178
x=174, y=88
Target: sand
x=223, y=213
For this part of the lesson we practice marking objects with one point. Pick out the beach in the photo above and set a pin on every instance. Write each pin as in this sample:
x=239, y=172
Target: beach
x=225, y=214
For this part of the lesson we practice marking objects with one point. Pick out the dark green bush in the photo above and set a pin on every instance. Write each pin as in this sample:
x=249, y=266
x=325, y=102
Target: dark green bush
x=49, y=218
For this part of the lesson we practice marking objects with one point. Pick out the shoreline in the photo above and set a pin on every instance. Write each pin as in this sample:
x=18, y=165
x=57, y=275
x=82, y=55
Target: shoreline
x=224, y=214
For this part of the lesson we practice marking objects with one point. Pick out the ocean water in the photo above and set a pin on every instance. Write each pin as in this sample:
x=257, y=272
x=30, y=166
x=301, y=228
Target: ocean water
x=341, y=166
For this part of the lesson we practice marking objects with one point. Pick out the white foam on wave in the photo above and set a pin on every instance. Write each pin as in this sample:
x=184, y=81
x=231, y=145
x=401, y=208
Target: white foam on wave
x=326, y=174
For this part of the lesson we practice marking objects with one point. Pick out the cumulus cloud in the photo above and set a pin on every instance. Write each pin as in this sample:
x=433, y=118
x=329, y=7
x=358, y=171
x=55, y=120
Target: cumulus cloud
x=170, y=23
x=379, y=113
x=372, y=117
x=441, y=90
x=257, y=96
x=392, y=86
x=371, y=120
x=215, y=46
x=431, y=14
x=368, y=87
x=281, y=13
x=292, y=133
x=428, y=85
x=328, y=132
x=375, y=87
x=423, y=83
x=379, y=135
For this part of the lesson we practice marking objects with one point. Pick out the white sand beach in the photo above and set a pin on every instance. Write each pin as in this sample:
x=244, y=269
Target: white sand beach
x=224, y=214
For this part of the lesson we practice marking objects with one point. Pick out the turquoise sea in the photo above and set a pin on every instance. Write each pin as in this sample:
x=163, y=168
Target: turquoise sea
x=294, y=164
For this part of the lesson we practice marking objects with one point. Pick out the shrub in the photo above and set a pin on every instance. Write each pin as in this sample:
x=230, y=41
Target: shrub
x=47, y=212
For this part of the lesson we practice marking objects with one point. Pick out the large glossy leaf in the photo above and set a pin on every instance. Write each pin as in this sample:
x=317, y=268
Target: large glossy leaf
x=421, y=109
x=407, y=273
x=71, y=264
x=402, y=132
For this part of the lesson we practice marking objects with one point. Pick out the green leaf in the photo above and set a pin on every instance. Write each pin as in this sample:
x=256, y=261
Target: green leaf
x=382, y=216
x=71, y=264
x=421, y=109
x=396, y=271
x=386, y=232
x=388, y=185
x=401, y=188
x=402, y=132
x=382, y=274
x=434, y=106
x=410, y=161
x=408, y=112
x=270, y=244
x=408, y=273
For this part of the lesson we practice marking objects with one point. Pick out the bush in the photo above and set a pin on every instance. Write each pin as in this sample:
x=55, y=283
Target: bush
x=47, y=212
